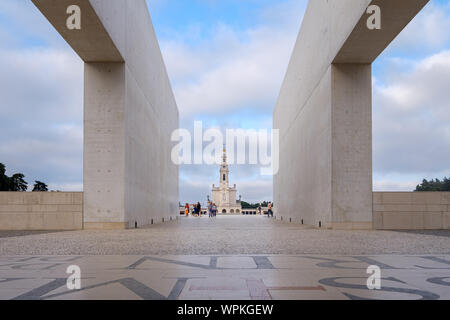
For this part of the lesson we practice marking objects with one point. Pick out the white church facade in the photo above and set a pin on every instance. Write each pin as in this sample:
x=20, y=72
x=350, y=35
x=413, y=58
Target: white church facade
x=223, y=195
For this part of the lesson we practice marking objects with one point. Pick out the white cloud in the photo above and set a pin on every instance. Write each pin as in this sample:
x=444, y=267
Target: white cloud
x=24, y=24
x=234, y=69
x=65, y=187
x=390, y=185
x=429, y=29
x=231, y=79
x=41, y=108
x=41, y=91
x=412, y=122
x=412, y=103
x=43, y=82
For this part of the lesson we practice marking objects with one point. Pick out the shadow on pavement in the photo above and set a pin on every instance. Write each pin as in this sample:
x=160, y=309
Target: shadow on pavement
x=438, y=233
x=10, y=234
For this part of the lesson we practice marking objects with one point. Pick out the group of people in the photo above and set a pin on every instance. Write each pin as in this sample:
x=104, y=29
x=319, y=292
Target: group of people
x=269, y=209
x=212, y=209
x=197, y=209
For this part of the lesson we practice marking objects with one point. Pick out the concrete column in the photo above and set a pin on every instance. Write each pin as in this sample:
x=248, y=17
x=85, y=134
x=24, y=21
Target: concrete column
x=323, y=112
x=351, y=146
x=104, y=147
x=130, y=113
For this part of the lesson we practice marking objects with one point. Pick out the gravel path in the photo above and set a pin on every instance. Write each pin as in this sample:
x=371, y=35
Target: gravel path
x=223, y=235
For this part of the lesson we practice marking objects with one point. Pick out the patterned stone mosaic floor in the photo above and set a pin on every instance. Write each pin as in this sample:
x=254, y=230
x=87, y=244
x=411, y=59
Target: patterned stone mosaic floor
x=242, y=277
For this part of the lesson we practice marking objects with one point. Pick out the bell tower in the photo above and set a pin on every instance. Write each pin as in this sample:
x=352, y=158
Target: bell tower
x=224, y=196
x=224, y=170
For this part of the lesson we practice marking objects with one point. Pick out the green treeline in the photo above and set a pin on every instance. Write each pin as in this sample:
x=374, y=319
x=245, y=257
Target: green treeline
x=434, y=185
x=246, y=205
x=17, y=182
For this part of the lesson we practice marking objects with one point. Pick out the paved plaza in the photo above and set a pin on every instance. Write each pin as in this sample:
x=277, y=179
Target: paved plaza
x=223, y=235
x=229, y=257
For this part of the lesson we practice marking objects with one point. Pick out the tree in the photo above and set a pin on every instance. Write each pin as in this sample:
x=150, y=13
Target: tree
x=4, y=179
x=246, y=205
x=18, y=183
x=434, y=185
x=446, y=184
x=40, y=187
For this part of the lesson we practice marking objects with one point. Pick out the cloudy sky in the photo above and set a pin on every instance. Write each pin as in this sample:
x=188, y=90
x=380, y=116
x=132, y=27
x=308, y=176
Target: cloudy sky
x=226, y=60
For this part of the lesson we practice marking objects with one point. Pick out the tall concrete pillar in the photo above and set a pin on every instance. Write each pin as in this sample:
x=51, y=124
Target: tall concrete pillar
x=324, y=111
x=129, y=113
x=351, y=146
x=104, y=146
